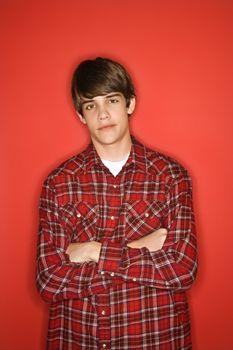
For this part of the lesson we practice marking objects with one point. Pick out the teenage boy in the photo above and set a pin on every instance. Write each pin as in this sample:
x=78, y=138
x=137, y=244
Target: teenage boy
x=117, y=245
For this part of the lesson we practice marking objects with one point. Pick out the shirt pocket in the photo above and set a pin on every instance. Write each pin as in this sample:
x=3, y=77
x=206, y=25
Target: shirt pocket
x=79, y=220
x=142, y=218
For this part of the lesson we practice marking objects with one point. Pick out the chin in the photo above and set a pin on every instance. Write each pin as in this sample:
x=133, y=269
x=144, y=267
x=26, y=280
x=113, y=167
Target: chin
x=108, y=140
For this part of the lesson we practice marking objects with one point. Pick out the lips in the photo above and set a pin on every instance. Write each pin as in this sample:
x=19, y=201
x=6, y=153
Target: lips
x=104, y=127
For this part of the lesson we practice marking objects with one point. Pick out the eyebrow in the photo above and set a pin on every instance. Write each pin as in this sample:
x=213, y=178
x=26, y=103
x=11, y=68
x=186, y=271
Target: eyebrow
x=107, y=96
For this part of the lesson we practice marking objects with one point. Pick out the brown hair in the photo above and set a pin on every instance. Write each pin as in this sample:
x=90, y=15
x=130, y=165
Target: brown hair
x=98, y=77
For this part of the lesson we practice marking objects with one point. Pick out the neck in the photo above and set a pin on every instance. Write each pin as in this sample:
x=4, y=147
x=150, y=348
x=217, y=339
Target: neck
x=115, y=151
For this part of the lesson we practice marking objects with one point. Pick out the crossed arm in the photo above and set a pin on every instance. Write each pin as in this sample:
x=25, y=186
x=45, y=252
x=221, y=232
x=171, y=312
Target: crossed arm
x=90, y=251
x=163, y=259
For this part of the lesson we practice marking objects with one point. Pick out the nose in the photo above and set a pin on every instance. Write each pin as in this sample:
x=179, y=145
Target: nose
x=103, y=112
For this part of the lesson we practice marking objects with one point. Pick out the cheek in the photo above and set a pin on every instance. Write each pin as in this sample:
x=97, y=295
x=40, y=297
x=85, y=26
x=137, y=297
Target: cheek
x=125, y=120
x=89, y=126
x=121, y=113
x=90, y=121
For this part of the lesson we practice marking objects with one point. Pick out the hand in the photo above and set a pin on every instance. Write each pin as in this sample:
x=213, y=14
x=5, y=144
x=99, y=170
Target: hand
x=84, y=252
x=154, y=241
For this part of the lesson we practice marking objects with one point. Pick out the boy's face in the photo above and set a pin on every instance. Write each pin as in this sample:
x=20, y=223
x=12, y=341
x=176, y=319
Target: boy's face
x=106, y=117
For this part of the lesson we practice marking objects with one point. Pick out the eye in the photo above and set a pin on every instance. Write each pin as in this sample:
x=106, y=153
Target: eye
x=113, y=100
x=89, y=107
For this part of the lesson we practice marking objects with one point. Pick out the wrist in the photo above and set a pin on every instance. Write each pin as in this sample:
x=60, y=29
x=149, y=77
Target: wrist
x=95, y=250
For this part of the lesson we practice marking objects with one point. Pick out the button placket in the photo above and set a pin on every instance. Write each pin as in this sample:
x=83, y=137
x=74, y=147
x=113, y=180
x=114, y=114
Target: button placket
x=104, y=326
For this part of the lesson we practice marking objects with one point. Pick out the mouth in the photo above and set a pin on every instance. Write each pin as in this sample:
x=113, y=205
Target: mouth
x=105, y=127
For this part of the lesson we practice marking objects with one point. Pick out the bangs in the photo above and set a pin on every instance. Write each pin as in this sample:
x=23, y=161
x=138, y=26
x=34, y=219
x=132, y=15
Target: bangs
x=91, y=89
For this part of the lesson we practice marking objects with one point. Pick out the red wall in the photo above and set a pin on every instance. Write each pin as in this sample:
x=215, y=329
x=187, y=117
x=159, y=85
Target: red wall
x=180, y=54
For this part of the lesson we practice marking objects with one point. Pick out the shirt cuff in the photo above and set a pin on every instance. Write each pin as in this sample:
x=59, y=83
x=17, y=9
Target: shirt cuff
x=110, y=257
x=132, y=255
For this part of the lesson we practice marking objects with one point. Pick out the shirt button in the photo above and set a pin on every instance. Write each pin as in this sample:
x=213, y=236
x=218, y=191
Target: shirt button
x=114, y=186
x=104, y=346
x=135, y=279
x=102, y=272
x=103, y=312
x=112, y=274
x=112, y=218
x=146, y=215
x=78, y=215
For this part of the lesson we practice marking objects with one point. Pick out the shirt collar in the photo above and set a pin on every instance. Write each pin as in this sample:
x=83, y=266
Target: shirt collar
x=136, y=158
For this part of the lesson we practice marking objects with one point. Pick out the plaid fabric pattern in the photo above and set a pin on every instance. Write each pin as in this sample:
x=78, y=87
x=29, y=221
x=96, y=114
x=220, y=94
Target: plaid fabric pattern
x=132, y=298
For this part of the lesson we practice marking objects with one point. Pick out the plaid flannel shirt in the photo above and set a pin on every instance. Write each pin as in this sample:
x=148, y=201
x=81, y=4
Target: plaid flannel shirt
x=132, y=298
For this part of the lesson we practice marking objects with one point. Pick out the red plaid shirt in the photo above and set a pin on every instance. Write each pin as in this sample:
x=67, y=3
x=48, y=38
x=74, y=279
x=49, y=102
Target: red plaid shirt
x=132, y=298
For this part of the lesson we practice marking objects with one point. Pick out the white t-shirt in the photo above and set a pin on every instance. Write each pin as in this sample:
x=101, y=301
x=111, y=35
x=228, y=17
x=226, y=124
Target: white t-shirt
x=115, y=167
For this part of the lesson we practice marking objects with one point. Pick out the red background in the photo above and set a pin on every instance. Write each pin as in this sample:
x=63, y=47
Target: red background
x=180, y=54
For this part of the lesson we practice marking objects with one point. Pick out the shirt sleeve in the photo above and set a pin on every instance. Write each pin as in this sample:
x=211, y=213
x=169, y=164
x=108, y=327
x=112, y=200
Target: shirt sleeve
x=175, y=265
x=57, y=277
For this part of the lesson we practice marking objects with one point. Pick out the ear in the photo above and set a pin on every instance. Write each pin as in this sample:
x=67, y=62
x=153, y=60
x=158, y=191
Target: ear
x=81, y=118
x=132, y=104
